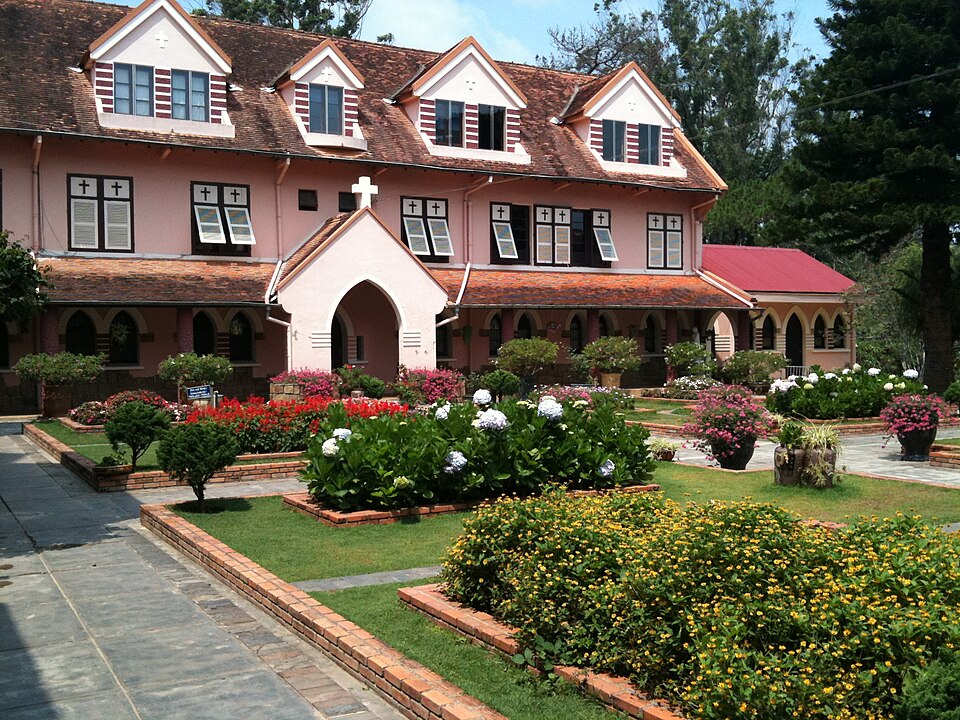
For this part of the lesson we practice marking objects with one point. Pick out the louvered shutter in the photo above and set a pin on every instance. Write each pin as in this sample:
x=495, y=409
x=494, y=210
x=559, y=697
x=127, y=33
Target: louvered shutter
x=83, y=224
x=117, y=230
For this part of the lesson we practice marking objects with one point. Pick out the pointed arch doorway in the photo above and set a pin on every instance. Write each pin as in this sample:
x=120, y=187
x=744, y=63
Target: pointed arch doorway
x=365, y=331
x=794, y=341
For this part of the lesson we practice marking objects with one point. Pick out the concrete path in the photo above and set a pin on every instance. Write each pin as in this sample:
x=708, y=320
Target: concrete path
x=100, y=621
x=368, y=579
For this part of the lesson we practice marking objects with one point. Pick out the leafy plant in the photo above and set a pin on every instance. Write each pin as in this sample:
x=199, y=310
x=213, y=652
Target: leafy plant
x=428, y=385
x=912, y=413
x=526, y=356
x=60, y=369
x=933, y=694
x=790, y=434
x=22, y=283
x=92, y=412
x=611, y=354
x=136, y=425
x=189, y=369
x=502, y=383
x=952, y=393
x=726, y=419
x=354, y=378
x=312, y=383
x=689, y=387
x=192, y=453
x=690, y=358
x=752, y=367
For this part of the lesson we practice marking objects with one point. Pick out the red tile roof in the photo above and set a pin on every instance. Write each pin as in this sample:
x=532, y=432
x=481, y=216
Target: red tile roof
x=299, y=256
x=156, y=282
x=768, y=269
x=519, y=288
x=38, y=92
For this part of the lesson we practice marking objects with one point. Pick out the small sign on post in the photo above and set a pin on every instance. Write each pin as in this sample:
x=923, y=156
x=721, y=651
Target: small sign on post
x=200, y=392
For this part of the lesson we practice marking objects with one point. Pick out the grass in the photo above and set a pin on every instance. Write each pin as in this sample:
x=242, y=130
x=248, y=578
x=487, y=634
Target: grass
x=948, y=441
x=296, y=547
x=659, y=411
x=491, y=679
x=856, y=495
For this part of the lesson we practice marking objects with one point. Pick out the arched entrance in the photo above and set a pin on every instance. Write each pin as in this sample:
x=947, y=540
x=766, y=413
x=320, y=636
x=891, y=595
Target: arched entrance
x=372, y=337
x=794, y=341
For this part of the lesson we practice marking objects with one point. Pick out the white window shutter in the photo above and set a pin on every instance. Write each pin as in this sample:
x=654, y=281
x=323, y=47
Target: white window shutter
x=83, y=224
x=506, y=245
x=240, y=226
x=544, y=244
x=561, y=243
x=117, y=230
x=605, y=244
x=655, y=248
x=416, y=235
x=674, y=249
x=209, y=224
x=440, y=232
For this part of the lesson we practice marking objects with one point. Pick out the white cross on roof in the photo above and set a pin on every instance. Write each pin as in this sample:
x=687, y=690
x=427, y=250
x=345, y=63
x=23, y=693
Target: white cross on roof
x=365, y=190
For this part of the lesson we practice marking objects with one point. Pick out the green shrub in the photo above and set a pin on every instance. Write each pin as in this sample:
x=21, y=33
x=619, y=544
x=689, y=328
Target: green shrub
x=192, y=369
x=526, y=356
x=609, y=354
x=502, y=383
x=952, y=393
x=690, y=358
x=730, y=610
x=354, y=378
x=934, y=694
x=752, y=367
x=136, y=425
x=60, y=369
x=456, y=454
x=192, y=453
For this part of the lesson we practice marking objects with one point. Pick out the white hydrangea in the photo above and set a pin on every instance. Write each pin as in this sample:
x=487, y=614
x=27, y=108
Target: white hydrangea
x=606, y=470
x=901, y=386
x=525, y=404
x=442, y=412
x=491, y=420
x=857, y=367
x=888, y=387
x=911, y=374
x=813, y=378
x=807, y=386
x=342, y=434
x=829, y=376
x=330, y=447
x=580, y=403
x=873, y=371
x=455, y=462
x=846, y=371
x=482, y=397
x=402, y=482
x=550, y=408
x=782, y=385
x=791, y=378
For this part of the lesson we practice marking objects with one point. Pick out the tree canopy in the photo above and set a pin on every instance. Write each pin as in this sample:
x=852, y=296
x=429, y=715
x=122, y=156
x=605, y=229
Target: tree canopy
x=341, y=18
x=21, y=284
x=877, y=159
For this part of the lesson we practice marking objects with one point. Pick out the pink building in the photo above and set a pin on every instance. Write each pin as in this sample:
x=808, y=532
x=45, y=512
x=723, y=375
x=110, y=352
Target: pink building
x=290, y=200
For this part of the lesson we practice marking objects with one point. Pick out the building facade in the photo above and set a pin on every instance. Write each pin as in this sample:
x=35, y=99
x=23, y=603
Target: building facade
x=289, y=200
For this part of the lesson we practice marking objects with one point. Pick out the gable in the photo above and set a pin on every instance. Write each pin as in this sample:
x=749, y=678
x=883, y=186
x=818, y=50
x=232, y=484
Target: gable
x=328, y=66
x=158, y=34
x=632, y=100
x=473, y=81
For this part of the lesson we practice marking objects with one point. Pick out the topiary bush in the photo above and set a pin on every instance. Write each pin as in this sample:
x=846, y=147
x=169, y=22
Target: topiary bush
x=934, y=694
x=354, y=378
x=60, y=369
x=136, y=425
x=194, y=452
x=527, y=356
x=690, y=358
x=502, y=383
x=609, y=354
x=752, y=367
x=192, y=369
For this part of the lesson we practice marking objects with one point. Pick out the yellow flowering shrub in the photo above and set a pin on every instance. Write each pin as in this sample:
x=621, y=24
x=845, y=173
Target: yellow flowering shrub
x=731, y=610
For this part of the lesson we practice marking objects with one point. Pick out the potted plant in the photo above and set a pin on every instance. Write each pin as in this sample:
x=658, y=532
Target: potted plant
x=788, y=455
x=914, y=420
x=689, y=358
x=611, y=357
x=526, y=357
x=821, y=446
x=56, y=375
x=726, y=424
x=663, y=450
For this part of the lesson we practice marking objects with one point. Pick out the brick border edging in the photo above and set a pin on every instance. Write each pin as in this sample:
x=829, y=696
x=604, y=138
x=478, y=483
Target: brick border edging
x=945, y=456
x=417, y=691
x=119, y=478
x=304, y=503
x=483, y=629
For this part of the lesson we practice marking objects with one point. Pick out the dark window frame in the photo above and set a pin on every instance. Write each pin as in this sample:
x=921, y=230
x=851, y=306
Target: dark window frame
x=491, y=130
x=577, y=338
x=839, y=333
x=327, y=114
x=454, y=133
x=768, y=340
x=228, y=249
x=614, y=141
x=101, y=199
x=307, y=200
x=495, y=338
x=520, y=225
x=212, y=345
x=425, y=215
x=819, y=333
x=124, y=351
x=648, y=144
x=651, y=340
x=234, y=354
x=663, y=228
x=346, y=202
x=85, y=343
x=133, y=85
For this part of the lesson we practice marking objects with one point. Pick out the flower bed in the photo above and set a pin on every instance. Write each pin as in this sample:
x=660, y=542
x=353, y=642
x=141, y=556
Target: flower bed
x=460, y=453
x=94, y=413
x=262, y=427
x=730, y=610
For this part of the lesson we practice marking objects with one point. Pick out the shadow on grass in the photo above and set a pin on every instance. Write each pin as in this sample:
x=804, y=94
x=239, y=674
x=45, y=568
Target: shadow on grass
x=214, y=506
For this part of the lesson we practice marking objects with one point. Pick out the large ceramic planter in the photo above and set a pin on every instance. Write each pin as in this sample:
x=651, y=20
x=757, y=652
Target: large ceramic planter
x=787, y=465
x=56, y=400
x=819, y=467
x=915, y=445
x=610, y=380
x=738, y=459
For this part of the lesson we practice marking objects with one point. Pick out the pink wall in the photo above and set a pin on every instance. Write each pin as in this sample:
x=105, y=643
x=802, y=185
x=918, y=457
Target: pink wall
x=372, y=317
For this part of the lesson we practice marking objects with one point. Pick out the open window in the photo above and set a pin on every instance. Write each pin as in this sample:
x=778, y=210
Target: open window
x=426, y=229
x=222, y=220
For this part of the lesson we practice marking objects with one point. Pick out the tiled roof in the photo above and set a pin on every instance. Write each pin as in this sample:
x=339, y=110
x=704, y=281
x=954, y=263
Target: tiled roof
x=42, y=39
x=768, y=269
x=518, y=288
x=312, y=244
x=156, y=282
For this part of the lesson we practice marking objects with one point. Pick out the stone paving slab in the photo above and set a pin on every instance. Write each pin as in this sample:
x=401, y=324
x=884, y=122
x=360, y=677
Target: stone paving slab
x=378, y=578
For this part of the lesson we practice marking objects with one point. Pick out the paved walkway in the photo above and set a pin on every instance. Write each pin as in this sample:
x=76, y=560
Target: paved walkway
x=100, y=621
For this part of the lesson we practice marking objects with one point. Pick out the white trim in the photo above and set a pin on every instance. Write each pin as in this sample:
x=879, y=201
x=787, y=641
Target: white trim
x=333, y=140
x=207, y=237
x=665, y=111
x=331, y=54
x=519, y=156
x=179, y=20
x=505, y=243
x=471, y=51
x=94, y=225
x=674, y=170
x=720, y=286
x=416, y=232
x=147, y=123
x=442, y=242
x=126, y=226
x=241, y=229
x=610, y=253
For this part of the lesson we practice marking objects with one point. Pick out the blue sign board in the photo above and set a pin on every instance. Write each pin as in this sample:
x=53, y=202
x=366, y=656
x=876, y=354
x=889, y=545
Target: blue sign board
x=201, y=392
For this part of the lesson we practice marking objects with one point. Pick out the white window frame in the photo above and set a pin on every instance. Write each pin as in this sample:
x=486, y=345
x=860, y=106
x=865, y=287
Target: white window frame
x=440, y=235
x=101, y=194
x=241, y=228
x=506, y=245
x=93, y=225
x=110, y=228
x=608, y=251
x=416, y=235
x=208, y=238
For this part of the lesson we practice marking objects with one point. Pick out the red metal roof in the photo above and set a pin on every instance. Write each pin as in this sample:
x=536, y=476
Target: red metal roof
x=519, y=288
x=768, y=269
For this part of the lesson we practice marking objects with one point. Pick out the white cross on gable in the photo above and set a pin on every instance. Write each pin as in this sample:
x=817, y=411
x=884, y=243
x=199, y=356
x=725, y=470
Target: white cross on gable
x=161, y=38
x=365, y=190
x=632, y=106
x=326, y=75
x=471, y=84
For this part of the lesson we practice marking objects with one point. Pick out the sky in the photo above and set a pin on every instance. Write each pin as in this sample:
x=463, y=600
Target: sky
x=517, y=30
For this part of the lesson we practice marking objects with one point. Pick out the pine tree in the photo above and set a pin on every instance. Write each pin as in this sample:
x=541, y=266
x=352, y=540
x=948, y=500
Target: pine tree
x=341, y=18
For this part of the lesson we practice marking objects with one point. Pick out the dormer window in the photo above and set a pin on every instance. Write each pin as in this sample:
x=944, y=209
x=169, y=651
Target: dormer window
x=648, y=144
x=449, y=123
x=132, y=89
x=492, y=123
x=614, y=141
x=326, y=109
x=190, y=95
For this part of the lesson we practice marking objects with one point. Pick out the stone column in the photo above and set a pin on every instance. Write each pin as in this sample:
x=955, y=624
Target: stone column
x=593, y=325
x=673, y=328
x=49, y=333
x=743, y=331
x=184, y=329
x=506, y=325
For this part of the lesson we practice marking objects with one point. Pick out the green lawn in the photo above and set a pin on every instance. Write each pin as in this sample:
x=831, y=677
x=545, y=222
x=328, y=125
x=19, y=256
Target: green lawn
x=494, y=680
x=659, y=411
x=948, y=441
x=94, y=445
x=296, y=547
